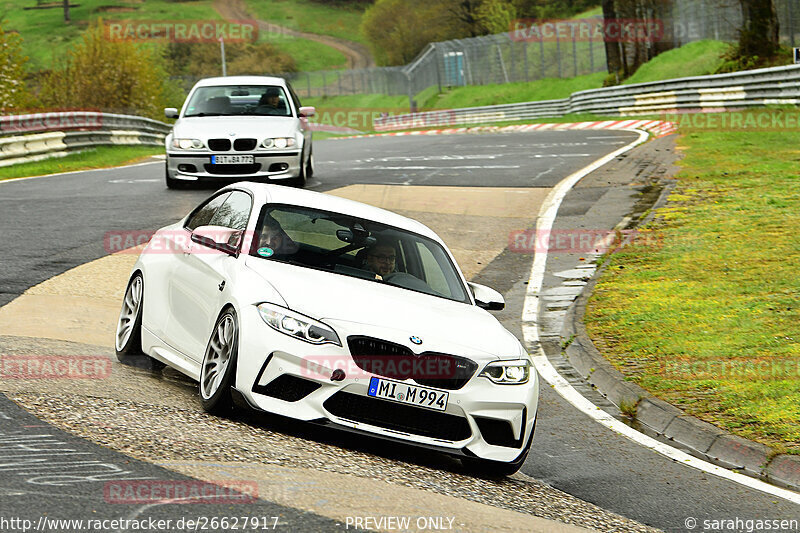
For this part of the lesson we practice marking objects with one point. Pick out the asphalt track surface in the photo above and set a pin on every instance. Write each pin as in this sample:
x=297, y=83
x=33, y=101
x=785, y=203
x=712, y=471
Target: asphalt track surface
x=50, y=225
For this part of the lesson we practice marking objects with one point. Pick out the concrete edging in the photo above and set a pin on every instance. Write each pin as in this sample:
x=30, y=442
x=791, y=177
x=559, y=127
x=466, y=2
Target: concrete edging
x=656, y=417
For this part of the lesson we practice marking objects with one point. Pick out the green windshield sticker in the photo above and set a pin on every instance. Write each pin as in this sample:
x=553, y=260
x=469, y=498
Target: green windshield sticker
x=265, y=252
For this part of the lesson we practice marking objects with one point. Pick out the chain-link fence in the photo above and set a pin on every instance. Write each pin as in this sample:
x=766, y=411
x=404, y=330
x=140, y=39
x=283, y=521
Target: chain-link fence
x=501, y=58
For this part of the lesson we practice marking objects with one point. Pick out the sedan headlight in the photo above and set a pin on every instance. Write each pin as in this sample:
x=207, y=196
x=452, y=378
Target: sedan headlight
x=279, y=142
x=188, y=144
x=508, y=372
x=296, y=325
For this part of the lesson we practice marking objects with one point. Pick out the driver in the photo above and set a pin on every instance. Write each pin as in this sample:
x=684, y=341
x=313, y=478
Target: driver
x=381, y=258
x=270, y=102
x=273, y=240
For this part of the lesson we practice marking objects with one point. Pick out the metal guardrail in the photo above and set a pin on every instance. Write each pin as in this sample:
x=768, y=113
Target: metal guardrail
x=737, y=90
x=37, y=136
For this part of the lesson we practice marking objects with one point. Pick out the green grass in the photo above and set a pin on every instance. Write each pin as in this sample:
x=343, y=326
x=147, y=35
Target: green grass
x=45, y=34
x=100, y=157
x=341, y=20
x=706, y=314
x=694, y=59
x=309, y=55
x=546, y=89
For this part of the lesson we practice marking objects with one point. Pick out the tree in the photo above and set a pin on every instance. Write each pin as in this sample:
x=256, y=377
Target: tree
x=397, y=30
x=759, y=34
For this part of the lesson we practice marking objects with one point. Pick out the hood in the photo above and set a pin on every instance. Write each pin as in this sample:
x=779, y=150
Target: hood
x=245, y=126
x=358, y=306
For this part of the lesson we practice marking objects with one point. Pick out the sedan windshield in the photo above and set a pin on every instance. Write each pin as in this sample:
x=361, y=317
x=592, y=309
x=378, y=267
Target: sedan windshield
x=357, y=248
x=236, y=100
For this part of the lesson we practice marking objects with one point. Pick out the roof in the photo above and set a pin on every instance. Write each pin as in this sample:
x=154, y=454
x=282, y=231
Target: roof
x=240, y=80
x=282, y=194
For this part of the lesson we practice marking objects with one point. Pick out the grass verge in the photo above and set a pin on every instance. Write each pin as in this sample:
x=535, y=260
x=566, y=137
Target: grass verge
x=100, y=157
x=693, y=59
x=704, y=312
x=338, y=20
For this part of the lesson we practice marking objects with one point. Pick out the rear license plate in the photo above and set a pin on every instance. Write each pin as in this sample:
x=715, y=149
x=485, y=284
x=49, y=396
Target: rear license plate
x=232, y=160
x=397, y=391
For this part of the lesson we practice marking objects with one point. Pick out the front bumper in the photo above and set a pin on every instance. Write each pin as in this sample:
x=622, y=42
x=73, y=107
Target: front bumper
x=281, y=375
x=192, y=166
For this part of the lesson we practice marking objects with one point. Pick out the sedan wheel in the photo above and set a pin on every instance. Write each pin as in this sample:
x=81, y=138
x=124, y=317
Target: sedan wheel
x=128, y=342
x=219, y=365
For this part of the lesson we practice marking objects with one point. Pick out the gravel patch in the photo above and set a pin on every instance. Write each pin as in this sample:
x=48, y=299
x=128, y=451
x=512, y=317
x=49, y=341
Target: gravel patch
x=157, y=433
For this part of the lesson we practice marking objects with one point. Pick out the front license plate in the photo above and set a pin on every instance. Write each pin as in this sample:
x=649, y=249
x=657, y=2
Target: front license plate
x=409, y=394
x=232, y=160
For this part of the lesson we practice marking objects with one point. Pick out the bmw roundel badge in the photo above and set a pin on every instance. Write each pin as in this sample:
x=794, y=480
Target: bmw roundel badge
x=415, y=339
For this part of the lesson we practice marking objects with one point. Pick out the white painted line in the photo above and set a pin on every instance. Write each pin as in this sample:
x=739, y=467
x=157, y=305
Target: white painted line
x=530, y=331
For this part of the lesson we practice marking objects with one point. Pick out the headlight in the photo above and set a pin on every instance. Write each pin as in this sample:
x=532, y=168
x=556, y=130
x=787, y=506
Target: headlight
x=279, y=142
x=188, y=144
x=508, y=372
x=297, y=325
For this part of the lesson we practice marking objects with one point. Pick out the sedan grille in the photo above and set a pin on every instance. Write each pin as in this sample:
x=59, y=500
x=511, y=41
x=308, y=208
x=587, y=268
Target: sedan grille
x=219, y=145
x=244, y=145
x=398, y=417
x=396, y=361
x=231, y=170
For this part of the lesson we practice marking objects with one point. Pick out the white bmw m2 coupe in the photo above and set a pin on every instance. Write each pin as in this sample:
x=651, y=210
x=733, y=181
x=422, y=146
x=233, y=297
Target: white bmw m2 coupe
x=331, y=311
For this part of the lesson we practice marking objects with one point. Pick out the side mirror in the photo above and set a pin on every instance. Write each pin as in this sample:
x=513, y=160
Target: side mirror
x=171, y=112
x=307, y=111
x=487, y=298
x=225, y=240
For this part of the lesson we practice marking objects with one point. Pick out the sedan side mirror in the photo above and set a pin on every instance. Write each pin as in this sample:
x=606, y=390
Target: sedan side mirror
x=171, y=112
x=487, y=298
x=226, y=240
x=308, y=111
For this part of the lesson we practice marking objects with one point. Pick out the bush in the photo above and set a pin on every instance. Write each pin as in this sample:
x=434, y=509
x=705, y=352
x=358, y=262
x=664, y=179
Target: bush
x=13, y=94
x=112, y=76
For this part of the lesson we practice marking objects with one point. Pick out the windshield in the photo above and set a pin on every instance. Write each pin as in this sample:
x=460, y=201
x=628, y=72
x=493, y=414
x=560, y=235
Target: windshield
x=356, y=248
x=237, y=100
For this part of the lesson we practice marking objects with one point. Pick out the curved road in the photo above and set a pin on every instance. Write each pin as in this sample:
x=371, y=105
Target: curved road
x=53, y=224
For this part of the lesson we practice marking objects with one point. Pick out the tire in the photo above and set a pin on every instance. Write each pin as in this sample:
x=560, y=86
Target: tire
x=497, y=469
x=219, y=365
x=128, y=338
x=310, y=165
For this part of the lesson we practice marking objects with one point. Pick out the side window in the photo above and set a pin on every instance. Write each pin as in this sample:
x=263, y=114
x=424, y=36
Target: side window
x=203, y=215
x=433, y=271
x=234, y=212
x=295, y=99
